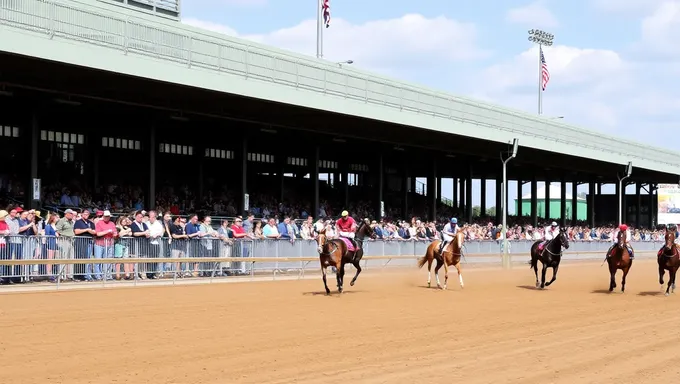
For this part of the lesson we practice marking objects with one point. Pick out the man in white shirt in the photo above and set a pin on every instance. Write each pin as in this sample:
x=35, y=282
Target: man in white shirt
x=156, y=230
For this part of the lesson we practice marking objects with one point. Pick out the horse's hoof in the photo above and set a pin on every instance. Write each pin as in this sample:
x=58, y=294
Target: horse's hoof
x=666, y=294
x=538, y=285
x=351, y=283
x=444, y=288
x=429, y=285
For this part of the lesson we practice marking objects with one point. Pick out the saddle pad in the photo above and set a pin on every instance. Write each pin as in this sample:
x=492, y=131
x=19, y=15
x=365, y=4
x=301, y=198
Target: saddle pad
x=350, y=246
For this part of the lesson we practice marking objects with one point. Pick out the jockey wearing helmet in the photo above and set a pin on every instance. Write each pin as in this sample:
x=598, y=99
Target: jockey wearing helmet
x=448, y=233
x=626, y=241
x=346, y=226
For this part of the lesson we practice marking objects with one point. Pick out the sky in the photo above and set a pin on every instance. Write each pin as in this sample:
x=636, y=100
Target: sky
x=613, y=65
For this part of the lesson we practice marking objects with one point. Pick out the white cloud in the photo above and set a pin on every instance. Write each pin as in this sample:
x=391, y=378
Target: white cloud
x=386, y=45
x=632, y=7
x=661, y=30
x=534, y=15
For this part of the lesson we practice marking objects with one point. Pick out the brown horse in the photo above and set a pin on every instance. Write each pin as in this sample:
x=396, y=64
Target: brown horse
x=619, y=258
x=669, y=259
x=334, y=253
x=452, y=254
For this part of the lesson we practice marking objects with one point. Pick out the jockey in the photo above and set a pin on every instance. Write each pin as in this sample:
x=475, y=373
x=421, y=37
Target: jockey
x=448, y=233
x=551, y=232
x=346, y=226
x=626, y=241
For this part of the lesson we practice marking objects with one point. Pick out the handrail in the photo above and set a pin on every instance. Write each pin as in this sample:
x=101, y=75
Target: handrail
x=213, y=52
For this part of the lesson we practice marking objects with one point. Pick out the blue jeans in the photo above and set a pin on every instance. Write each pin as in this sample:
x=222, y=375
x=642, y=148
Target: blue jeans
x=101, y=251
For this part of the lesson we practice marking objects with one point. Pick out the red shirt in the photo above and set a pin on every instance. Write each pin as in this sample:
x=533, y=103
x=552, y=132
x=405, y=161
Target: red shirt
x=346, y=225
x=106, y=240
x=238, y=231
x=3, y=227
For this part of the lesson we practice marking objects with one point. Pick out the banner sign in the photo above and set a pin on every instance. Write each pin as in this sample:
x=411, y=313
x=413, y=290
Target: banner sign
x=668, y=196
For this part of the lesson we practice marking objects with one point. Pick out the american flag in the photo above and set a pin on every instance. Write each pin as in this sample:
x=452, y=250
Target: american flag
x=545, y=74
x=326, y=8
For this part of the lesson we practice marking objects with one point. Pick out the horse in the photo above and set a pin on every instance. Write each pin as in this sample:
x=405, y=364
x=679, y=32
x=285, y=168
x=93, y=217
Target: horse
x=550, y=256
x=451, y=256
x=334, y=253
x=669, y=259
x=619, y=258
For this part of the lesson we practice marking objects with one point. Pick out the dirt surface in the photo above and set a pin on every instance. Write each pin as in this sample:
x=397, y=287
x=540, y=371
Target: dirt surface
x=387, y=329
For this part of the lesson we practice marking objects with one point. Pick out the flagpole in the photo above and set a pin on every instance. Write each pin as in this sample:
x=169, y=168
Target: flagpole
x=319, y=30
x=541, y=38
x=540, y=81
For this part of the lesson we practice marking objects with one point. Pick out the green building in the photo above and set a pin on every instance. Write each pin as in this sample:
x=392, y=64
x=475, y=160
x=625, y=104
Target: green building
x=555, y=201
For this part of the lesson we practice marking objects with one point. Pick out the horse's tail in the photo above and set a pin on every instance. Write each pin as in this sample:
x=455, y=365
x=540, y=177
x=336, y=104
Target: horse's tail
x=423, y=260
x=533, y=263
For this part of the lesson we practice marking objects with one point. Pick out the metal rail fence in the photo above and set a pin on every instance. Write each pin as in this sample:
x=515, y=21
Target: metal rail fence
x=59, y=259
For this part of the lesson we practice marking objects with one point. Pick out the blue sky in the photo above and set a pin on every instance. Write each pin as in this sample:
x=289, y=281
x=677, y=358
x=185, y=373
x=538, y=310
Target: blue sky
x=613, y=65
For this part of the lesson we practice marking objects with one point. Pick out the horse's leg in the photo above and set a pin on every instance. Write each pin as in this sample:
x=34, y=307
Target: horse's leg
x=341, y=277
x=612, y=277
x=534, y=265
x=545, y=268
x=325, y=284
x=671, y=277
x=661, y=273
x=460, y=276
x=675, y=273
x=429, y=271
x=554, y=276
x=436, y=272
x=357, y=265
x=446, y=272
x=623, y=279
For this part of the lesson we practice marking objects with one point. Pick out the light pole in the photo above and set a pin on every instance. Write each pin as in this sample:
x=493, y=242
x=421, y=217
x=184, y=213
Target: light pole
x=504, y=189
x=348, y=62
x=541, y=38
x=629, y=170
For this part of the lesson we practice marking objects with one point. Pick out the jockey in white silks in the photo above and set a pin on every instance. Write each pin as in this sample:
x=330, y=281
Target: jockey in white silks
x=448, y=233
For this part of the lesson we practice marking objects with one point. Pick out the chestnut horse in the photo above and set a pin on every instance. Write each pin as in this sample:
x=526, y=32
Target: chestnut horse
x=619, y=259
x=550, y=256
x=669, y=259
x=334, y=253
x=452, y=254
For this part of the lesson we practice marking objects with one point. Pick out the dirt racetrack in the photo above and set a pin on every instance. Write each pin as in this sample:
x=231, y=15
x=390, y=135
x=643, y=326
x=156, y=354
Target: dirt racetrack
x=389, y=328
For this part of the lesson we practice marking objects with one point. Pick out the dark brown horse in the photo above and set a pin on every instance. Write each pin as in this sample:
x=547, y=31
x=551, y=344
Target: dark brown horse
x=619, y=258
x=669, y=259
x=550, y=256
x=452, y=254
x=334, y=253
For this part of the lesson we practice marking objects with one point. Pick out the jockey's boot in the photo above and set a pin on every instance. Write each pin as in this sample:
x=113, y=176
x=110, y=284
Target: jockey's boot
x=442, y=245
x=630, y=251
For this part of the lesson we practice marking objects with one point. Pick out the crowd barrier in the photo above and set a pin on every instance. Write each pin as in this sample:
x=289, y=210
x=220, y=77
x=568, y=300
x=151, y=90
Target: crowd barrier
x=58, y=259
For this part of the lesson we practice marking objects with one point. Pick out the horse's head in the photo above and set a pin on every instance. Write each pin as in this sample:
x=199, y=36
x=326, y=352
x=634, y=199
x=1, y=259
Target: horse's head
x=564, y=240
x=365, y=230
x=669, y=238
x=321, y=240
x=459, y=238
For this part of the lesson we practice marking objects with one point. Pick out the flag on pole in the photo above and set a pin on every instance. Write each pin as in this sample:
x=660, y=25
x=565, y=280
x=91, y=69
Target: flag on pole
x=326, y=8
x=545, y=74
